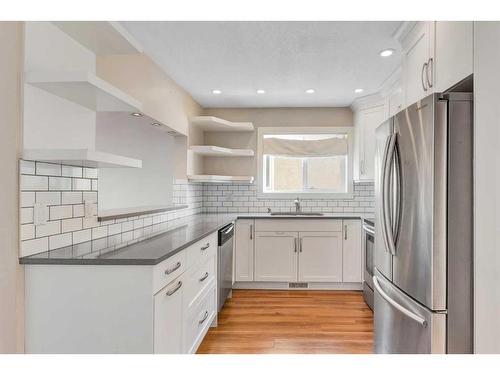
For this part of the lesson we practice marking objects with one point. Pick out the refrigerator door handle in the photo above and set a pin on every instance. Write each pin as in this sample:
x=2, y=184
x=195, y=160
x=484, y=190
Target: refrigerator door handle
x=397, y=306
x=397, y=193
x=386, y=196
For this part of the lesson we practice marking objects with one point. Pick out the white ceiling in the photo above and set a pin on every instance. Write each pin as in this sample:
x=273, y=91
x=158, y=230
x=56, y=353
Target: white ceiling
x=283, y=58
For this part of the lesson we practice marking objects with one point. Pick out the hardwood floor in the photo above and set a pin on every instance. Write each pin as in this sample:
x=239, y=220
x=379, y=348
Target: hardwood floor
x=282, y=321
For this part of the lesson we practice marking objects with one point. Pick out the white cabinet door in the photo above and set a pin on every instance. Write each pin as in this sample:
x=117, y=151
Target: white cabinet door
x=368, y=120
x=454, y=53
x=320, y=256
x=417, y=64
x=243, y=250
x=352, y=265
x=276, y=256
x=168, y=318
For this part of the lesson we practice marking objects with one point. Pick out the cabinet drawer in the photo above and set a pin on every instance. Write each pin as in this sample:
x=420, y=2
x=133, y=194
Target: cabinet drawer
x=198, y=279
x=168, y=270
x=200, y=251
x=198, y=320
x=296, y=225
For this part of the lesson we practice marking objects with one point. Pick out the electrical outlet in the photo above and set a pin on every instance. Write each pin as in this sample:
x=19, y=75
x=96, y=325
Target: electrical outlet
x=40, y=213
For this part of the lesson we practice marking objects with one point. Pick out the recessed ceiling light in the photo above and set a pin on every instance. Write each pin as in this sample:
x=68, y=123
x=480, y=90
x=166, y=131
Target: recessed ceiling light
x=386, y=52
x=156, y=124
x=357, y=91
x=136, y=114
x=310, y=91
x=216, y=92
x=260, y=91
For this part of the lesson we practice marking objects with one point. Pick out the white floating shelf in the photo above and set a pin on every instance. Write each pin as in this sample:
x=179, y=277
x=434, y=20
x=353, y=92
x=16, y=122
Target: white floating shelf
x=120, y=213
x=217, y=178
x=215, y=124
x=82, y=157
x=220, y=151
x=144, y=120
x=101, y=37
x=85, y=89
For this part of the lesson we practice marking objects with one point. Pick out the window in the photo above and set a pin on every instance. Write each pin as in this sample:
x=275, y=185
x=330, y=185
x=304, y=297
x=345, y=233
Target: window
x=305, y=162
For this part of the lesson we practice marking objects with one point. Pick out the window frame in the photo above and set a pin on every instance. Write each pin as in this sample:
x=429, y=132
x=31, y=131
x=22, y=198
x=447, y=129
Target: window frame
x=262, y=131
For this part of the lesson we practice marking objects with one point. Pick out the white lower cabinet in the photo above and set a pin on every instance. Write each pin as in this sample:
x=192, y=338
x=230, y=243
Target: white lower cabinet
x=276, y=256
x=331, y=254
x=168, y=309
x=320, y=257
x=243, y=250
x=352, y=252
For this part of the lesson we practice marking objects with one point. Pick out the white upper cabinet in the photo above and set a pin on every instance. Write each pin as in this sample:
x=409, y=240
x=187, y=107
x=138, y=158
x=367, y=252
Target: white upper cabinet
x=454, y=53
x=366, y=121
x=418, y=62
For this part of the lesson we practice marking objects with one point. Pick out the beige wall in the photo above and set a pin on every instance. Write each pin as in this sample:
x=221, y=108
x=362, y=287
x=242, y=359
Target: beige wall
x=11, y=275
x=263, y=117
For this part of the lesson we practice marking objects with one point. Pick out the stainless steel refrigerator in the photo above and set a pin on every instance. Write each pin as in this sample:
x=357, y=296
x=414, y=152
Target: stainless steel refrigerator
x=423, y=230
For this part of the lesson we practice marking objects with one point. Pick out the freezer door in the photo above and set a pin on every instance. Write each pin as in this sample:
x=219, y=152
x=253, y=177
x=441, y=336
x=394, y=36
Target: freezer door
x=382, y=256
x=419, y=261
x=402, y=325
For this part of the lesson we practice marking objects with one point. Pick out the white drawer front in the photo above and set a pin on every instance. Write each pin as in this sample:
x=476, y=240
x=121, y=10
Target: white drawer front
x=199, y=278
x=169, y=269
x=200, y=251
x=199, y=319
x=296, y=225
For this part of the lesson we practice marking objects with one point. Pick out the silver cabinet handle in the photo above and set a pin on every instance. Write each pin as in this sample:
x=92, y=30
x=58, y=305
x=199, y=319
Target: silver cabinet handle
x=203, y=248
x=300, y=244
x=174, y=268
x=362, y=167
x=430, y=66
x=368, y=230
x=204, y=318
x=177, y=287
x=204, y=277
x=251, y=231
x=295, y=245
x=345, y=231
x=397, y=306
x=229, y=230
x=424, y=67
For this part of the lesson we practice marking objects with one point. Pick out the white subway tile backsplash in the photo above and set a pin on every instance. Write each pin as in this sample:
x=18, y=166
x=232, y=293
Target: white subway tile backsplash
x=90, y=196
x=27, y=199
x=99, y=232
x=48, y=169
x=48, y=229
x=95, y=185
x=50, y=198
x=90, y=173
x=27, y=232
x=71, y=225
x=61, y=240
x=78, y=210
x=82, y=236
x=26, y=215
x=26, y=167
x=61, y=212
x=71, y=197
x=114, y=229
x=71, y=171
x=35, y=246
x=59, y=183
x=82, y=184
x=34, y=183
x=90, y=222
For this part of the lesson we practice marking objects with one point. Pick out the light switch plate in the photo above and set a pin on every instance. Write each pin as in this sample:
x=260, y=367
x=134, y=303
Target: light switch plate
x=40, y=213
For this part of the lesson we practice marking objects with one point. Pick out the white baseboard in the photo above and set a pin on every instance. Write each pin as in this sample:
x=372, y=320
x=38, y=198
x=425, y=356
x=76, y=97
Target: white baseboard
x=284, y=286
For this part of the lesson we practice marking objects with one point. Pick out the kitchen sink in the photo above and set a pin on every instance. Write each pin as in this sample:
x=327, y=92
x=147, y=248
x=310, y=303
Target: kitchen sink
x=297, y=214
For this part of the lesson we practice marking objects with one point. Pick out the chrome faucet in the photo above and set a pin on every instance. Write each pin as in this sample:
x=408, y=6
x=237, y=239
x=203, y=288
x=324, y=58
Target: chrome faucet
x=297, y=204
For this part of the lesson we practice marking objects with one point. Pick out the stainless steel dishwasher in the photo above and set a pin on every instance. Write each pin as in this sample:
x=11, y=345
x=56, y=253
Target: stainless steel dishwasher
x=225, y=264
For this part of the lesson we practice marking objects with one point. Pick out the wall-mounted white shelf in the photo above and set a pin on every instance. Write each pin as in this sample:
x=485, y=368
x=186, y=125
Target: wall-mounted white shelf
x=121, y=213
x=85, y=89
x=82, y=157
x=221, y=151
x=215, y=124
x=218, y=178
x=101, y=37
x=143, y=120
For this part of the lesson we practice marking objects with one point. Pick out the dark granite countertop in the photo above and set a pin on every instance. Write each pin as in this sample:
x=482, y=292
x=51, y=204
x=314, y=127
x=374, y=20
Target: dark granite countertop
x=176, y=236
